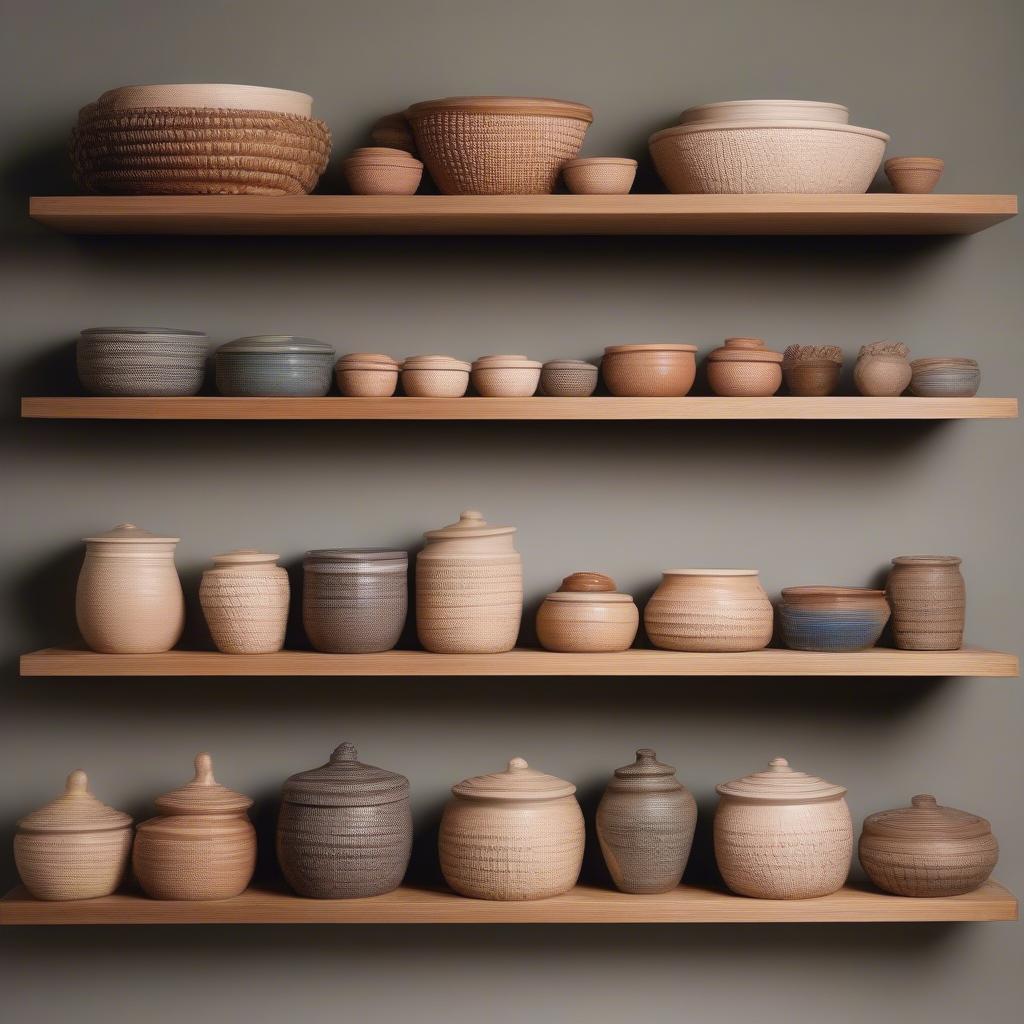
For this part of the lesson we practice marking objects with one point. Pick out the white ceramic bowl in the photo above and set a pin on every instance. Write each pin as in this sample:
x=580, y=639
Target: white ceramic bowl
x=232, y=97
x=762, y=110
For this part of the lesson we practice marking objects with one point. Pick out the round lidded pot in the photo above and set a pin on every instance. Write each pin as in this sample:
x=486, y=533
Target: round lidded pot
x=832, y=618
x=366, y=375
x=512, y=376
x=354, y=600
x=649, y=371
x=568, y=378
x=744, y=368
x=928, y=598
x=927, y=849
x=149, y=362
x=469, y=588
x=245, y=600
x=74, y=847
x=345, y=829
x=945, y=377
x=782, y=835
x=645, y=825
x=585, y=614
x=129, y=598
x=709, y=610
x=274, y=365
x=435, y=377
x=512, y=835
x=882, y=369
x=201, y=847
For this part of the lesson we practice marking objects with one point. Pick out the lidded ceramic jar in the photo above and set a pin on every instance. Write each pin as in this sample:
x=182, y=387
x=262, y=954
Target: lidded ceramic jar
x=744, y=368
x=645, y=825
x=435, y=377
x=512, y=835
x=345, y=829
x=586, y=614
x=201, y=847
x=882, y=369
x=274, y=365
x=245, y=601
x=649, y=371
x=783, y=835
x=568, y=378
x=514, y=376
x=927, y=849
x=354, y=600
x=928, y=598
x=129, y=598
x=709, y=610
x=832, y=618
x=74, y=847
x=469, y=588
x=366, y=375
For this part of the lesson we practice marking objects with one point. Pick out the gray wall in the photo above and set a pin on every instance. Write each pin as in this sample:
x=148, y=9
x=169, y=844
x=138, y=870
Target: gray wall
x=805, y=503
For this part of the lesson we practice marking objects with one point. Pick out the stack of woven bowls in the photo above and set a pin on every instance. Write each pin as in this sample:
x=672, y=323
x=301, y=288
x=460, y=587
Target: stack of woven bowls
x=199, y=140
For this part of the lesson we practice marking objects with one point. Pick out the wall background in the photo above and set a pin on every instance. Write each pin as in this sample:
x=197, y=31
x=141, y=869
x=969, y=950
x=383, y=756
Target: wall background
x=805, y=503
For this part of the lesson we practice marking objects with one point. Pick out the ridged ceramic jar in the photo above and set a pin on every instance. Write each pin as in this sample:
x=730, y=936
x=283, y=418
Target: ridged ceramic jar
x=832, y=618
x=435, y=377
x=649, y=371
x=927, y=849
x=354, y=600
x=744, y=368
x=709, y=610
x=928, y=600
x=129, y=598
x=469, y=588
x=645, y=825
x=882, y=369
x=345, y=829
x=512, y=835
x=782, y=835
x=74, y=847
x=201, y=847
x=585, y=614
x=149, y=362
x=274, y=366
x=245, y=600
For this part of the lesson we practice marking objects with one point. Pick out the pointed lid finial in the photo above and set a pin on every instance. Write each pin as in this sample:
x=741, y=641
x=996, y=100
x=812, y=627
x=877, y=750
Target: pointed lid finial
x=517, y=782
x=203, y=794
x=779, y=783
x=75, y=810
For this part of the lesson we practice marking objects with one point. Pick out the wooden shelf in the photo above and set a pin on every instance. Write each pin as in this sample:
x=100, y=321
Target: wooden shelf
x=879, y=661
x=878, y=214
x=599, y=408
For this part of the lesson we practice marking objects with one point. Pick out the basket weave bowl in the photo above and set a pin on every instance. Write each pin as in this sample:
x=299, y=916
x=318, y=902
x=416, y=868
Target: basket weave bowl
x=149, y=363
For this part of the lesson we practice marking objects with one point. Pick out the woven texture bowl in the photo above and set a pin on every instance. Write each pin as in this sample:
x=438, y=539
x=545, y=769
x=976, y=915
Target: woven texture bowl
x=366, y=375
x=435, y=377
x=832, y=618
x=382, y=171
x=513, y=376
x=274, y=365
x=599, y=176
x=568, y=378
x=942, y=377
x=155, y=362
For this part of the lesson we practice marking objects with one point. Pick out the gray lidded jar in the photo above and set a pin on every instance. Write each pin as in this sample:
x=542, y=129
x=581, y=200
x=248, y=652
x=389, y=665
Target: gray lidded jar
x=645, y=825
x=345, y=829
x=274, y=366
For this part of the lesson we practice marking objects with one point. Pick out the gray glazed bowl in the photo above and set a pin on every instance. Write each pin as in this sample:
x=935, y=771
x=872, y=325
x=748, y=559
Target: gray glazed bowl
x=275, y=366
x=142, y=362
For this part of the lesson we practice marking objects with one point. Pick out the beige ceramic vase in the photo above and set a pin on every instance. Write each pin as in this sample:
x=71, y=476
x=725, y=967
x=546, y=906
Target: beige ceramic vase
x=782, y=835
x=201, y=847
x=73, y=848
x=585, y=614
x=928, y=600
x=882, y=369
x=512, y=835
x=245, y=601
x=129, y=598
x=709, y=610
x=469, y=588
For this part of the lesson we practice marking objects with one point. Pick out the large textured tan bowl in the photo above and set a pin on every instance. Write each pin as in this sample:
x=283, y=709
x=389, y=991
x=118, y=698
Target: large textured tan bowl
x=726, y=157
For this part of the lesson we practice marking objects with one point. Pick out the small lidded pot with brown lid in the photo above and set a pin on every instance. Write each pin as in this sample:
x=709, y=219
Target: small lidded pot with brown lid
x=586, y=614
x=245, y=600
x=744, y=368
x=927, y=849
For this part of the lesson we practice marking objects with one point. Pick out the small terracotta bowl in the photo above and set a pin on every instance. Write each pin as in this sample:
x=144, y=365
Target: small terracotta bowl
x=744, y=368
x=649, y=371
x=914, y=174
x=380, y=171
x=513, y=376
x=366, y=375
x=568, y=378
x=434, y=377
x=599, y=175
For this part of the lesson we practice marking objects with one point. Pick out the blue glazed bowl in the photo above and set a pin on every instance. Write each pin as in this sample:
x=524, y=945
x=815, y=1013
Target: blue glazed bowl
x=832, y=618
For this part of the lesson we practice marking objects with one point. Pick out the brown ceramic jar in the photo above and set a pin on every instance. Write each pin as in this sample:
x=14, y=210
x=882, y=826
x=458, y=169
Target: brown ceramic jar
x=928, y=600
x=882, y=369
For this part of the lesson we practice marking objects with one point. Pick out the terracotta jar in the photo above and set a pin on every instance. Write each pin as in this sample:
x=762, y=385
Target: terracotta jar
x=927, y=850
x=469, y=588
x=201, y=847
x=882, y=369
x=512, y=835
x=832, y=618
x=649, y=371
x=782, y=835
x=129, y=598
x=245, y=601
x=587, y=615
x=74, y=847
x=366, y=375
x=709, y=610
x=744, y=368
x=928, y=600
x=354, y=600
x=345, y=829
x=645, y=825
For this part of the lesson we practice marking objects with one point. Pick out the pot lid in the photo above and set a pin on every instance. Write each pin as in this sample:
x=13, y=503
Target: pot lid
x=924, y=819
x=506, y=362
x=75, y=810
x=779, y=783
x=356, y=556
x=128, y=533
x=273, y=344
x=709, y=572
x=569, y=364
x=646, y=773
x=744, y=350
x=927, y=560
x=517, y=782
x=665, y=347
x=344, y=781
x=203, y=795
x=435, y=363
x=503, y=105
x=471, y=524
x=377, y=358
x=587, y=582
x=593, y=597
x=143, y=330
x=245, y=556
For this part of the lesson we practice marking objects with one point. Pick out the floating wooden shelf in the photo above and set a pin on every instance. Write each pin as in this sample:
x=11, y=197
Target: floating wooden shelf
x=879, y=661
x=879, y=214
x=600, y=408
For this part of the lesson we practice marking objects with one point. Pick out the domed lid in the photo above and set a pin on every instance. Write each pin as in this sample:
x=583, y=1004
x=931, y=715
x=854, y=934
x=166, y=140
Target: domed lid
x=926, y=819
x=587, y=582
x=744, y=350
x=506, y=363
x=569, y=364
x=779, y=783
x=660, y=347
x=245, y=556
x=709, y=572
x=471, y=524
x=75, y=810
x=128, y=533
x=143, y=330
x=344, y=781
x=273, y=344
x=203, y=795
x=517, y=782
x=367, y=361
x=435, y=363
x=645, y=774
x=354, y=555
x=523, y=105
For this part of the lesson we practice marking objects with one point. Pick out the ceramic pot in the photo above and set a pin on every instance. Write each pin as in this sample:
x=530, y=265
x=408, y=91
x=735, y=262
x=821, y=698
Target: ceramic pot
x=469, y=588
x=245, y=600
x=149, y=362
x=649, y=371
x=599, y=175
x=645, y=825
x=366, y=375
x=381, y=171
x=744, y=368
x=945, y=377
x=587, y=615
x=568, y=378
x=274, y=366
x=914, y=174
x=74, y=847
x=505, y=376
x=882, y=369
x=709, y=610
x=345, y=829
x=928, y=600
x=812, y=371
x=129, y=598
x=782, y=835
x=435, y=377
x=927, y=850
x=512, y=835
x=832, y=618
x=354, y=600
x=201, y=847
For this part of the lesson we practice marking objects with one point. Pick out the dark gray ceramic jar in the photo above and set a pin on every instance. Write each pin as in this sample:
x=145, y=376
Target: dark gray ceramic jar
x=345, y=829
x=274, y=366
x=145, y=362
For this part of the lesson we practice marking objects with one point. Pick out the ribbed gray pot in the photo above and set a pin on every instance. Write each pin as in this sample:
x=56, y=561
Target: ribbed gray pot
x=141, y=362
x=274, y=366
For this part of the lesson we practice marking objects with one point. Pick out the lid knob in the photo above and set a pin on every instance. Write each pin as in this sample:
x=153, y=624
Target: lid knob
x=345, y=752
x=517, y=764
x=645, y=755
x=778, y=764
x=587, y=582
x=204, y=771
x=77, y=784
x=471, y=517
x=126, y=526
x=923, y=800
